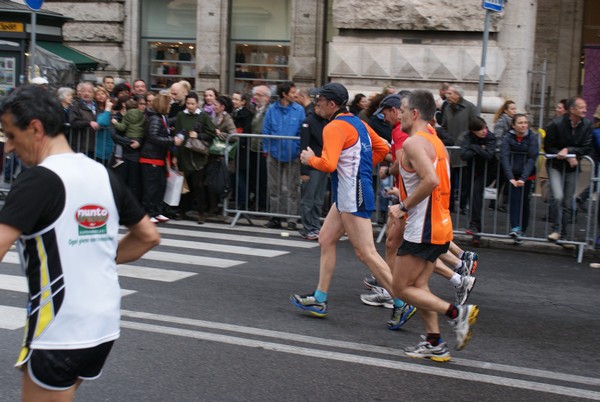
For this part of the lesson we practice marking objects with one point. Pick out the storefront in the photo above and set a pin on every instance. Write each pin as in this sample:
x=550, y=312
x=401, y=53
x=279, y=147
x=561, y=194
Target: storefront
x=58, y=63
x=249, y=44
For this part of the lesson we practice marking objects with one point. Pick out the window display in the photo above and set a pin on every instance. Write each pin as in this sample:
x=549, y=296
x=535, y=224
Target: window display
x=171, y=62
x=256, y=64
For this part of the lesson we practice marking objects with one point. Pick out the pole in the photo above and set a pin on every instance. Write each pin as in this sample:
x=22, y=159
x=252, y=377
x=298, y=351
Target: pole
x=543, y=97
x=486, y=35
x=32, y=44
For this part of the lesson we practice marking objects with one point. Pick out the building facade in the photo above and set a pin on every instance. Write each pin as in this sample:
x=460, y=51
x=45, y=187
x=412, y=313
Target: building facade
x=534, y=55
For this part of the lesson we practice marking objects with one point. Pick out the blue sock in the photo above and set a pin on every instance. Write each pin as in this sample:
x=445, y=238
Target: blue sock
x=398, y=303
x=320, y=297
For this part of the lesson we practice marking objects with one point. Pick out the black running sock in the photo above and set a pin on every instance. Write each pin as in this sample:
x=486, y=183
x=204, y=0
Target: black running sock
x=433, y=339
x=452, y=312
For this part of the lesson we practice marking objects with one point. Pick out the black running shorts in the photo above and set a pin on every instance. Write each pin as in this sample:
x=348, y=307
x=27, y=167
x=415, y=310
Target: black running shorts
x=59, y=370
x=426, y=251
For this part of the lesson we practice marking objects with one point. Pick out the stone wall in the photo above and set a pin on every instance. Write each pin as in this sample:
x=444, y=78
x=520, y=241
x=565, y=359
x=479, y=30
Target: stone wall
x=558, y=39
x=98, y=29
x=423, y=15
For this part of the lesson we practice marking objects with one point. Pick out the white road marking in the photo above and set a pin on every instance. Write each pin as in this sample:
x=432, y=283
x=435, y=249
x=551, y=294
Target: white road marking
x=370, y=361
x=153, y=274
x=12, y=317
x=190, y=259
x=222, y=248
x=19, y=284
x=239, y=238
x=355, y=346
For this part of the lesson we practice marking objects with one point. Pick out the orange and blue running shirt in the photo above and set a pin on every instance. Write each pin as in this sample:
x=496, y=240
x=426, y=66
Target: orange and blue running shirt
x=429, y=221
x=350, y=150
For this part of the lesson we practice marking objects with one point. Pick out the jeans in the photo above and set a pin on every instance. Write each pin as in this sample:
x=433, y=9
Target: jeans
x=562, y=185
x=284, y=178
x=311, y=204
x=519, y=199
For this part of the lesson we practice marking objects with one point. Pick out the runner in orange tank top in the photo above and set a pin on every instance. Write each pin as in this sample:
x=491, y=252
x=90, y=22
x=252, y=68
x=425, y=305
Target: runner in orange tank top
x=425, y=189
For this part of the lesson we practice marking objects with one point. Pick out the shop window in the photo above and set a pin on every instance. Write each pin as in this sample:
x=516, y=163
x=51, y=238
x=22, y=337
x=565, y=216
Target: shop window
x=171, y=62
x=260, y=63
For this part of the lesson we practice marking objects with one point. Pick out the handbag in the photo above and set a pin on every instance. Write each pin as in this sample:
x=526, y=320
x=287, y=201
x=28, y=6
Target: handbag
x=217, y=178
x=197, y=145
x=174, y=186
x=217, y=147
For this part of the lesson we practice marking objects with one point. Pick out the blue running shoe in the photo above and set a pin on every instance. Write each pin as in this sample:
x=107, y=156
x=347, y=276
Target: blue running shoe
x=400, y=315
x=310, y=304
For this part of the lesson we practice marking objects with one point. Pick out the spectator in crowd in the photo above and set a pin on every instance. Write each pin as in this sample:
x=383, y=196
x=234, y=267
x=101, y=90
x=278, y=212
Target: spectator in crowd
x=584, y=196
x=455, y=122
x=121, y=89
x=242, y=117
x=210, y=95
x=314, y=182
x=178, y=92
x=193, y=123
x=519, y=152
x=478, y=149
x=104, y=143
x=65, y=96
x=82, y=117
x=108, y=82
x=134, y=122
x=153, y=158
x=139, y=87
x=389, y=90
x=223, y=107
x=127, y=152
x=441, y=106
x=561, y=108
x=569, y=137
x=261, y=95
x=359, y=103
x=284, y=118
x=503, y=120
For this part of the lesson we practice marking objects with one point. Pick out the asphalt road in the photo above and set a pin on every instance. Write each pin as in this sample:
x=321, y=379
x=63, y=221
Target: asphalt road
x=212, y=322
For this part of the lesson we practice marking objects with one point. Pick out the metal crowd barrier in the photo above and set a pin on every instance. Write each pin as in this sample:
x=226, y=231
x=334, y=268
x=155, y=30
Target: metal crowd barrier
x=495, y=213
x=254, y=173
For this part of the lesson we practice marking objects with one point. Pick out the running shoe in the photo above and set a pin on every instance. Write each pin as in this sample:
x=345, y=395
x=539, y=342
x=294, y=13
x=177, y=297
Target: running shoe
x=470, y=257
x=370, y=282
x=162, y=218
x=400, y=315
x=424, y=350
x=467, y=316
x=378, y=297
x=464, y=289
x=310, y=304
x=464, y=269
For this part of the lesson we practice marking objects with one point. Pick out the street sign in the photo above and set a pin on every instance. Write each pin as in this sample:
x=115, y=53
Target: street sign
x=35, y=5
x=493, y=5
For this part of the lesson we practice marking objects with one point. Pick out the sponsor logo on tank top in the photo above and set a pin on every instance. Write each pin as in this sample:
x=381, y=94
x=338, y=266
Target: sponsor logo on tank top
x=91, y=220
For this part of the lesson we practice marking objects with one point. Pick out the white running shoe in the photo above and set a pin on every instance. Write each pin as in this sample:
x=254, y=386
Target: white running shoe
x=378, y=297
x=467, y=316
x=464, y=289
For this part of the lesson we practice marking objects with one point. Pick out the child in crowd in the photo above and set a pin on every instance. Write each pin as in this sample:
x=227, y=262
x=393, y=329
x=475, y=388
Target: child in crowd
x=133, y=125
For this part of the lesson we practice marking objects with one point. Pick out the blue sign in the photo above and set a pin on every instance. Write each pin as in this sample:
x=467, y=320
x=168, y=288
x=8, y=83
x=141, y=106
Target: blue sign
x=35, y=5
x=492, y=5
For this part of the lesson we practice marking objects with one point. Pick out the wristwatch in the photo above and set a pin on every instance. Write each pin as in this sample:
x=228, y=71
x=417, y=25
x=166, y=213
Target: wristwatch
x=402, y=207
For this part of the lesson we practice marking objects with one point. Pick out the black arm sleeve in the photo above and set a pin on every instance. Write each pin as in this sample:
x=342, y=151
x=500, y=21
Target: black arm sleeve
x=35, y=201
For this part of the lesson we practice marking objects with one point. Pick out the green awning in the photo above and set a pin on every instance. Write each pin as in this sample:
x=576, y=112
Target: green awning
x=80, y=59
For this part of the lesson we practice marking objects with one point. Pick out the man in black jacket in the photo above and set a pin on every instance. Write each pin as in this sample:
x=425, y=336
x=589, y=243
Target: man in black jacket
x=569, y=137
x=314, y=182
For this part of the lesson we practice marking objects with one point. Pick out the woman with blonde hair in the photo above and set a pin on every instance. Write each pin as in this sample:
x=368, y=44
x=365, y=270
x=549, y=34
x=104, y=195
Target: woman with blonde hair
x=153, y=158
